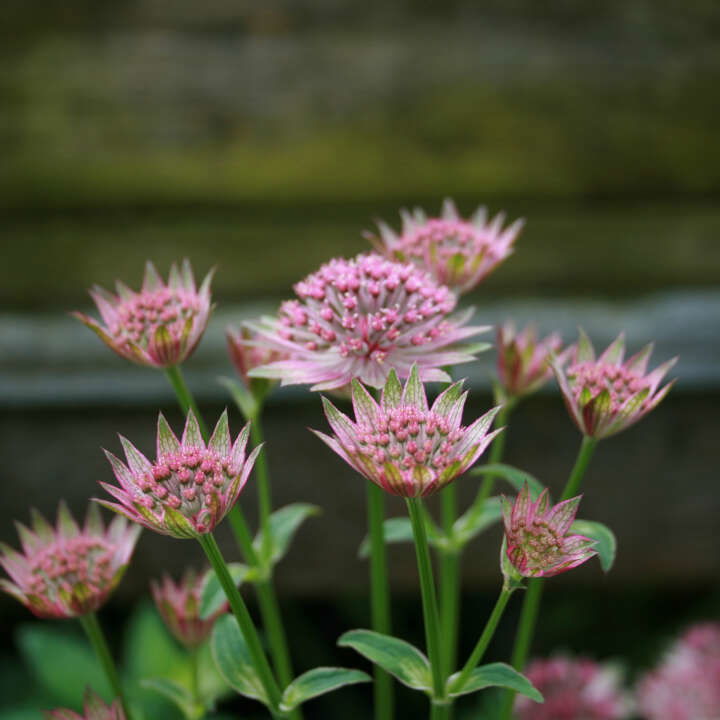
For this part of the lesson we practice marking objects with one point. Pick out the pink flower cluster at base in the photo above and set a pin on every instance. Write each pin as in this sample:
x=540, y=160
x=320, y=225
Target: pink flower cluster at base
x=94, y=709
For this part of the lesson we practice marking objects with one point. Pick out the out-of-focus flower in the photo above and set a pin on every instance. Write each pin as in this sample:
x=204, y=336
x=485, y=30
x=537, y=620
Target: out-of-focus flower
x=523, y=360
x=402, y=445
x=459, y=253
x=574, y=689
x=159, y=326
x=190, y=487
x=94, y=709
x=246, y=354
x=359, y=318
x=607, y=395
x=536, y=534
x=67, y=571
x=179, y=606
x=686, y=684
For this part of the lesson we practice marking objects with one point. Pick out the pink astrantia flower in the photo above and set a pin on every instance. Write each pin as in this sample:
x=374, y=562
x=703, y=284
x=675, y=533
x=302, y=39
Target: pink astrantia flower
x=607, y=395
x=523, y=361
x=159, y=326
x=179, y=606
x=459, y=253
x=536, y=534
x=246, y=354
x=574, y=689
x=402, y=445
x=190, y=487
x=357, y=319
x=67, y=571
x=686, y=685
x=94, y=709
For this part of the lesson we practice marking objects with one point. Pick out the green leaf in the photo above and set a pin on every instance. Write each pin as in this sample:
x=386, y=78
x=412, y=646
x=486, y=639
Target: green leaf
x=472, y=522
x=232, y=657
x=177, y=694
x=606, y=544
x=395, y=530
x=516, y=477
x=284, y=523
x=398, y=657
x=213, y=597
x=319, y=681
x=494, y=675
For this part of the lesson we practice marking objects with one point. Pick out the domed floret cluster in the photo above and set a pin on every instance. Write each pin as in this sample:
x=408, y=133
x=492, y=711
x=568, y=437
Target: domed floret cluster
x=574, y=689
x=190, y=487
x=401, y=444
x=94, y=709
x=459, y=253
x=67, y=571
x=536, y=535
x=159, y=326
x=607, y=395
x=686, y=685
x=359, y=318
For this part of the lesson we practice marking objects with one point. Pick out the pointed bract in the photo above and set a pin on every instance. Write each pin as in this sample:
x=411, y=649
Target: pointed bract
x=94, y=709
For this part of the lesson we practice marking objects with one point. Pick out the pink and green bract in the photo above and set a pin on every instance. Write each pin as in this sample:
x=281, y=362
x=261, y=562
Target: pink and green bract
x=246, y=355
x=179, y=606
x=94, y=709
x=67, y=571
x=459, y=253
x=191, y=485
x=160, y=325
x=536, y=535
x=607, y=395
x=358, y=318
x=400, y=443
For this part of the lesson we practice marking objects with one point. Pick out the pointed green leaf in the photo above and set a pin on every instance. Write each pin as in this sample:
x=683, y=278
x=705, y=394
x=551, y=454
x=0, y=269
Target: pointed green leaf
x=319, y=681
x=177, y=694
x=396, y=656
x=473, y=522
x=494, y=675
x=516, y=477
x=212, y=597
x=606, y=544
x=395, y=530
x=284, y=523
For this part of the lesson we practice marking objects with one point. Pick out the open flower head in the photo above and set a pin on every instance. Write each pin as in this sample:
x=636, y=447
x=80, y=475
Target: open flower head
x=608, y=394
x=459, y=253
x=401, y=444
x=574, y=689
x=179, y=606
x=523, y=360
x=358, y=318
x=160, y=325
x=68, y=570
x=94, y=709
x=536, y=533
x=191, y=485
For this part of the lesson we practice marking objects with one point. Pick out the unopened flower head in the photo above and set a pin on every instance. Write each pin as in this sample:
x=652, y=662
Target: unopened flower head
x=459, y=253
x=400, y=443
x=179, y=606
x=523, y=360
x=536, y=533
x=191, y=485
x=607, y=395
x=94, y=709
x=359, y=318
x=574, y=689
x=246, y=354
x=67, y=571
x=158, y=326
x=686, y=684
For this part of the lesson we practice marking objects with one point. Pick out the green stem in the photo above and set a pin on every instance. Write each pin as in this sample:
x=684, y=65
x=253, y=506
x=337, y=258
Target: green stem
x=440, y=711
x=272, y=622
x=262, y=475
x=429, y=603
x=587, y=449
x=239, y=609
x=496, y=453
x=449, y=582
x=194, y=675
x=92, y=629
x=379, y=596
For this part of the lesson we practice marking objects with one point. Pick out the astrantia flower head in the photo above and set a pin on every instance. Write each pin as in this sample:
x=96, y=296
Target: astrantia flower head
x=459, y=253
x=67, y=570
x=359, y=318
x=179, y=606
x=523, y=360
x=574, y=689
x=159, y=326
x=190, y=487
x=401, y=444
x=94, y=709
x=607, y=395
x=536, y=535
x=246, y=354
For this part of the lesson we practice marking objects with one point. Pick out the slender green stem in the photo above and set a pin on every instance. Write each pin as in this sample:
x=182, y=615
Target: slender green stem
x=194, y=675
x=496, y=453
x=239, y=609
x=92, y=629
x=440, y=711
x=262, y=475
x=379, y=596
x=587, y=449
x=272, y=622
x=185, y=397
x=429, y=602
x=449, y=582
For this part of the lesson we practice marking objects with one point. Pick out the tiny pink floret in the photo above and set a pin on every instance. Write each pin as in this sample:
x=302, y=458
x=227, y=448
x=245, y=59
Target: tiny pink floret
x=94, y=709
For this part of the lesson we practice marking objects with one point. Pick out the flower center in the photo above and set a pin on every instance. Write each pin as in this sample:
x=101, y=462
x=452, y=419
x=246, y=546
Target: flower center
x=620, y=383
x=538, y=544
x=445, y=238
